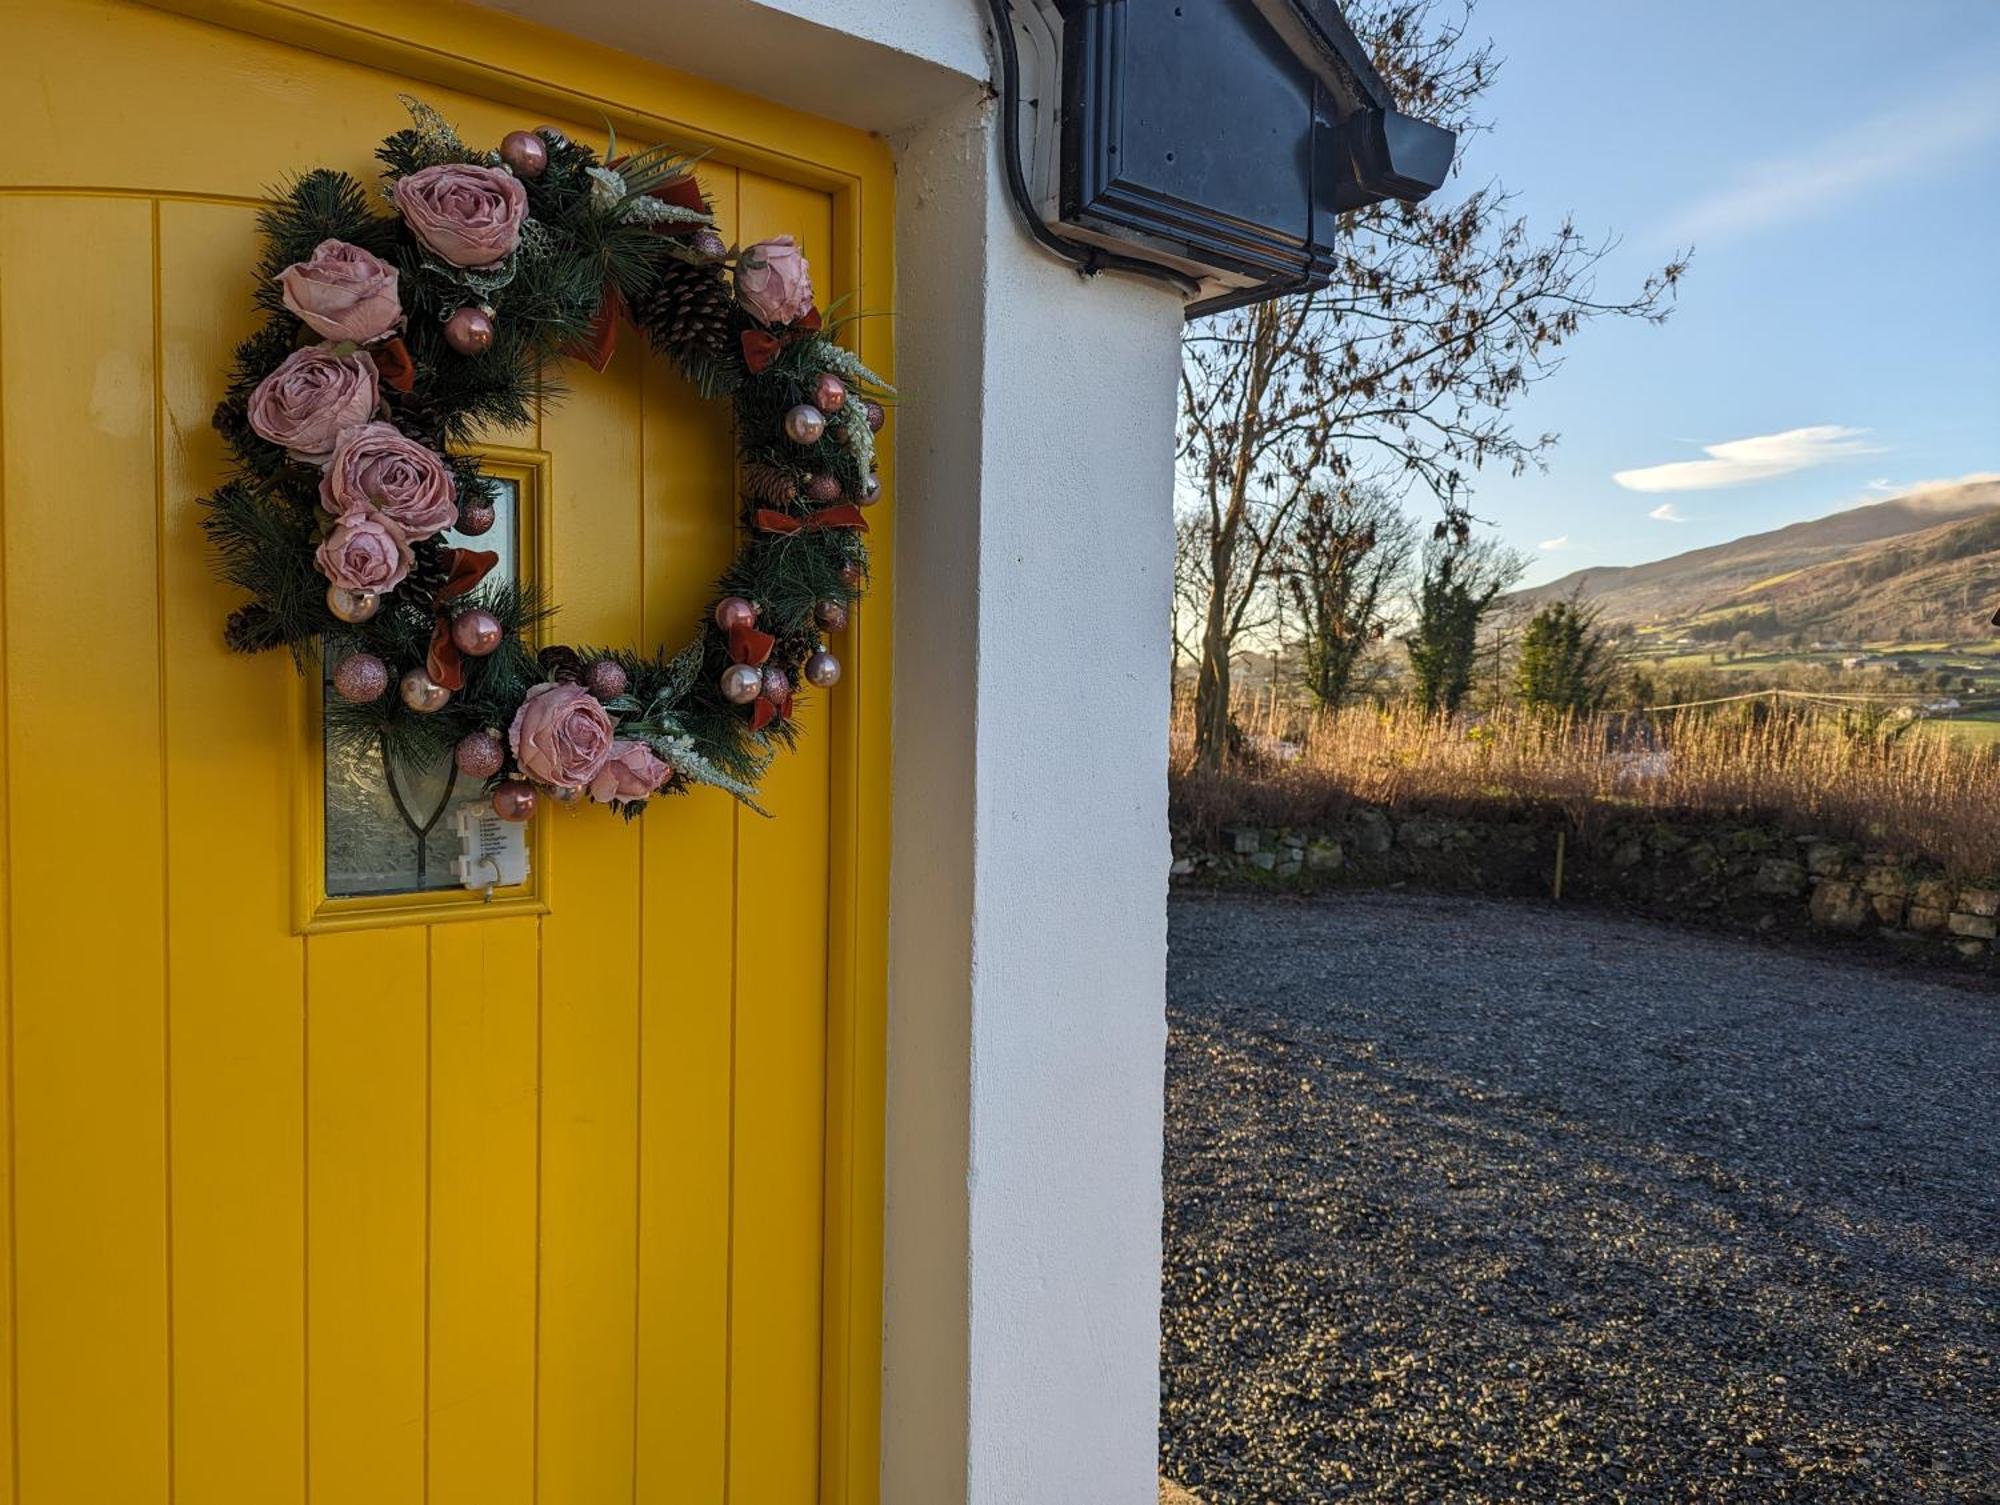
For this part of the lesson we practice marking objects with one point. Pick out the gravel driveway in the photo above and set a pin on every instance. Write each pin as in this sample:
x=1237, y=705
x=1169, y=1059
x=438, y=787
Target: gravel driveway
x=1486, y=1201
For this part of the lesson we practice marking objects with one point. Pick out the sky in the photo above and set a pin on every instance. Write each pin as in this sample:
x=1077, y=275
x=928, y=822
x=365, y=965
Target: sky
x=1835, y=165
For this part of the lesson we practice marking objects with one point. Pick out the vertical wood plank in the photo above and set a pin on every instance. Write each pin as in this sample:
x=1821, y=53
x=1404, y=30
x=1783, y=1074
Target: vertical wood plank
x=8, y=1329
x=591, y=960
x=689, y=844
x=238, y=1023
x=484, y=997
x=366, y=1166
x=780, y=1061
x=89, y=1039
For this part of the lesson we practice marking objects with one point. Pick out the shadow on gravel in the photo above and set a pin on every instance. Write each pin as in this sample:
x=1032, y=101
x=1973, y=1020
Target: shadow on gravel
x=1480, y=1201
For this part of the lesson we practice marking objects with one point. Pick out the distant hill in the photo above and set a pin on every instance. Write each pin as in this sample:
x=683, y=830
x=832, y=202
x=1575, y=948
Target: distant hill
x=1922, y=565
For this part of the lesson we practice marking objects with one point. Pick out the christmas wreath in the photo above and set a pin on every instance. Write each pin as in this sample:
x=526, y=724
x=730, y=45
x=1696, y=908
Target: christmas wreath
x=397, y=329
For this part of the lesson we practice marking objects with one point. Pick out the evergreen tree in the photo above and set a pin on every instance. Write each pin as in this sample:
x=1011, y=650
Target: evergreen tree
x=1566, y=659
x=1462, y=577
x=1342, y=564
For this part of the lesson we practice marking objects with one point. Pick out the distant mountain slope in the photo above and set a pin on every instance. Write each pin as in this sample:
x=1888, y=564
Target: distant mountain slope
x=1923, y=564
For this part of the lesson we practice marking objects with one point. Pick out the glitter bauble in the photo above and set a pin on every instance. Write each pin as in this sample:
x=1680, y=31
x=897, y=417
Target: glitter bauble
x=469, y=330
x=360, y=678
x=480, y=755
x=606, y=679
x=477, y=632
x=423, y=694
x=876, y=417
x=525, y=152
x=514, y=800
x=823, y=488
x=742, y=683
x=709, y=244
x=732, y=612
x=352, y=606
x=777, y=683
x=805, y=424
x=831, y=615
x=475, y=518
x=852, y=576
x=822, y=670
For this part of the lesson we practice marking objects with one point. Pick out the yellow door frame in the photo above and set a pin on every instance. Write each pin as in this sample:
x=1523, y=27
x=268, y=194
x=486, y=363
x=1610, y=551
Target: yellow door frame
x=545, y=72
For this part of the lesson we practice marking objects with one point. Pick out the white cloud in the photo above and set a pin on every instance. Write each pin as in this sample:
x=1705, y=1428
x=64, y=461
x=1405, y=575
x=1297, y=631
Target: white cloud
x=1552, y=544
x=1888, y=490
x=1667, y=513
x=1920, y=136
x=1754, y=459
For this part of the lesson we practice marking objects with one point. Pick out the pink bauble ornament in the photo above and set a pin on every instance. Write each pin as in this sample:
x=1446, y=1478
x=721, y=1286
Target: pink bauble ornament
x=871, y=491
x=423, y=694
x=777, y=683
x=732, y=612
x=876, y=417
x=352, y=606
x=525, y=152
x=853, y=576
x=606, y=679
x=823, y=488
x=480, y=755
x=477, y=632
x=831, y=615
x=742, y=683
x=822, y=670
x=515, y=801
x=360, y=678
x=805, y=424
x=709, y=244
x=829, y=393
x=475, y=518
x=469, y=330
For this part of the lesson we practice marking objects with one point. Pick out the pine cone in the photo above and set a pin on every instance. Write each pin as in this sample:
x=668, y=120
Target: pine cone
x=428, y=574
x=563, y=665
x=769, y=483
x=690, y=315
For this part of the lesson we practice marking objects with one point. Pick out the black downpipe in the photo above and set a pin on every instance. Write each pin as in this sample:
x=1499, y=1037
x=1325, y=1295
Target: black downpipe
x=1087, y=259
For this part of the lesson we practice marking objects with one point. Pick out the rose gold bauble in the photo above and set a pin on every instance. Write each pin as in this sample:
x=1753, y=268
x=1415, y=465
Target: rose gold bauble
x=423, y=694
x=360, y=678
x=832, y=615
x=525, y=152
x=352, y=606
x=742, y=683
x=469, y=330
x=475, y=518
x=805, y=424
x=480, y=755
x=823, y=488
x=777, y=683
x=514, y=800
x=852, y=576
x=477, y=632
x=876, y=417
x=709, y=244
x=829, y=393
x=822, y=670
x=732, y=612
x=607, y=679
x=871, y=491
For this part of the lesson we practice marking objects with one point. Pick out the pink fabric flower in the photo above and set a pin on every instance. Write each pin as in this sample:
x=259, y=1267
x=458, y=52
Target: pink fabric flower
x=774, y=282
x=561, y=736
x=632, y=772
x=374, y=466
x=312, y=397
x=468, y=216
x=343, y=292
x=364, y=552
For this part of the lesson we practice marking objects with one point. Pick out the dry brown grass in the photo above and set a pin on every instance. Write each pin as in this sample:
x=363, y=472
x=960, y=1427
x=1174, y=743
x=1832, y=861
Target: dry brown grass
x=1929, y=797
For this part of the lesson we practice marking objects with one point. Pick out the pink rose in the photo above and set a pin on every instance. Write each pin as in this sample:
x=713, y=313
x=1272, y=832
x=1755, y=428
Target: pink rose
x=344, y=292
x=773, y=281
x=312, y=396
x=561, y=736
x=468, y=216
x=374, y=466
x=364, y=552
x=632, y=772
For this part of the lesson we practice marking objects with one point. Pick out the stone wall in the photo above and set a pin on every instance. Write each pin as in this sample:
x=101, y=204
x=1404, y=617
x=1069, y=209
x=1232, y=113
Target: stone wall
x=1731, y=874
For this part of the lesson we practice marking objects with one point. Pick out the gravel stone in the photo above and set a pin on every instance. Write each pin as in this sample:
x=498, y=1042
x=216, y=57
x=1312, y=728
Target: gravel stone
x=1489, y=1201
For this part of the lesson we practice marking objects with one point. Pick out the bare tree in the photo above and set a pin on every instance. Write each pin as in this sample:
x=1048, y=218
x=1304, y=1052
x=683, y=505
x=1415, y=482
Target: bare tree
x=1343, y=563
x=1399, y=374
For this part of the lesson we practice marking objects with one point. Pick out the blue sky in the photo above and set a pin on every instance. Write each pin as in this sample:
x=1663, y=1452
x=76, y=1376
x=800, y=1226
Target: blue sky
x=1836, y=166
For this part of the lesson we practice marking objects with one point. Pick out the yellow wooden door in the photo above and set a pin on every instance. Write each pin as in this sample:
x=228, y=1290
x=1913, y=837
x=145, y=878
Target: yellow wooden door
x=571, y=1207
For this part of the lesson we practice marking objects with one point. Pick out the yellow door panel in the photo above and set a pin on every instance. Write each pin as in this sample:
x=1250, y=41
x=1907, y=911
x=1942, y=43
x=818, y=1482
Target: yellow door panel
x=565, y=1208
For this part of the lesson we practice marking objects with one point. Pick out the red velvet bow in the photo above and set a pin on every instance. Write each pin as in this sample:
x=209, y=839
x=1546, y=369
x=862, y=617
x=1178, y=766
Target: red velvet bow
x=761, y=347
x=465, y=569
x=393, y=363
x=846, y=515
x=597, y=346
x=748, y=645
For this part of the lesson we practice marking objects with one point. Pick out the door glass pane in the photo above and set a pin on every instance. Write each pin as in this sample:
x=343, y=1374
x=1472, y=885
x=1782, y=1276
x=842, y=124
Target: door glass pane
x=374, y=844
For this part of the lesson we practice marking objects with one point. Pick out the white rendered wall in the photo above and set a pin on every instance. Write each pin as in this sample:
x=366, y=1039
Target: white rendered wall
x=1028, y=887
